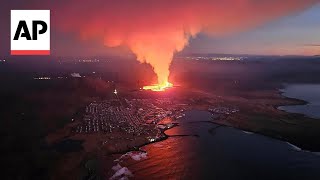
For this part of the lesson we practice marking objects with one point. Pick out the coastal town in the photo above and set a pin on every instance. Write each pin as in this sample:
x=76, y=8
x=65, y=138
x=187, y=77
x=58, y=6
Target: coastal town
x=134, y=116
x=128, y=118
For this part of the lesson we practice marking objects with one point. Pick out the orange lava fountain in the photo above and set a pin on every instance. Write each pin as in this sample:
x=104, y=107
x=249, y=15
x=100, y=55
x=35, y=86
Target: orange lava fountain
x=159, y=87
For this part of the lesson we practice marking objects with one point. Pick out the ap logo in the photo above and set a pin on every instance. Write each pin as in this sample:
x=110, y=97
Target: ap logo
x=30, y=32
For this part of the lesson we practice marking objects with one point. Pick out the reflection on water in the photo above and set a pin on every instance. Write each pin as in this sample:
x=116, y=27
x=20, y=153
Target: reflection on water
x=221, y=153
x=306, y=92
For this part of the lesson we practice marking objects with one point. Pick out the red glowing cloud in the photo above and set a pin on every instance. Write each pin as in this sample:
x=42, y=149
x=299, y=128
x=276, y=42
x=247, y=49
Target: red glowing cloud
x=155, y=29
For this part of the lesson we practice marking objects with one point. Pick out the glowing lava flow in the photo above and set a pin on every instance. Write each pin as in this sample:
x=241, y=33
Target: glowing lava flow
x=158, y=87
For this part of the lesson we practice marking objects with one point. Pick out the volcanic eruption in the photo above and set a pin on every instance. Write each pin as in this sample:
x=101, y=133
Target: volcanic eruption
x=156, y=29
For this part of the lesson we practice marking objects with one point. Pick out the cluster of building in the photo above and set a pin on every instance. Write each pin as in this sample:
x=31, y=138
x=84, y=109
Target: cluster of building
x=132, y=116
x=88, y=60
x=108, y=117
x=149, y=110
x=72, y=75
x=217, y=58
x=42, y=78
x=223, y=110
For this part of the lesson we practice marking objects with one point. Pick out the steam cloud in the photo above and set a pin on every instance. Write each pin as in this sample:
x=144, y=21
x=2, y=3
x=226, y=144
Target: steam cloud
x=155, y=29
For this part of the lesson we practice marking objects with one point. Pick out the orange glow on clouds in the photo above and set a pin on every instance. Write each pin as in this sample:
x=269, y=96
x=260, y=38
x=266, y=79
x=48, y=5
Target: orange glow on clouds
x=155, y=29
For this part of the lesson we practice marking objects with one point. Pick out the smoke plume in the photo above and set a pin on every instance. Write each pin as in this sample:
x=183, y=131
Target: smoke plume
x=155, y=29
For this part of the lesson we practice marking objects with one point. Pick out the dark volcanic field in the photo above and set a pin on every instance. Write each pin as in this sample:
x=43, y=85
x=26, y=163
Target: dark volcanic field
x=31, y=109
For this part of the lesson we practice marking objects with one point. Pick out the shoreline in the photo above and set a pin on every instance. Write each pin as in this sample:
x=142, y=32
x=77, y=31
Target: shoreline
x=290, y=144
x=294, y=101
x=268, y=102
x=301, y=103
x=291, y=101
x=164, y=137
x=303, y=144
